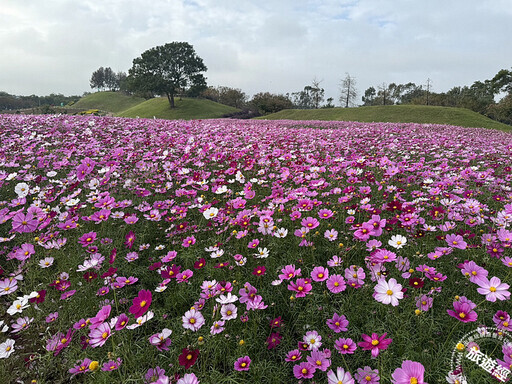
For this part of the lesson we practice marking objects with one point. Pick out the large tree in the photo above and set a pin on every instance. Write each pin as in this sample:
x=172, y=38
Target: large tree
x=167, y=70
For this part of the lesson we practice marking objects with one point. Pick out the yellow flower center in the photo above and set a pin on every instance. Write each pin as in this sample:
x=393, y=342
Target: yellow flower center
x=413, y=380
x=389, y=292
x=304, y=370
x=318, y=362
x=243, y=365
x=492, y=289
x=192, y=321
x=320, y=275
x=63, y=340
x=375, y=342
x=462, y=315
x=143, y=303
x=336, y=284
x=189, y=356
x=104, y=335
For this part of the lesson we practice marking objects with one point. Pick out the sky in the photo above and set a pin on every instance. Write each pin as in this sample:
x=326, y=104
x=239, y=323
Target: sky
x=279, y=46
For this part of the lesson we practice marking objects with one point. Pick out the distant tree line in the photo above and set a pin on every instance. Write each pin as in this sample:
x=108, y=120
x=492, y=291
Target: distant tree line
x=479, y=97
x=14, y=102
x=174, y=69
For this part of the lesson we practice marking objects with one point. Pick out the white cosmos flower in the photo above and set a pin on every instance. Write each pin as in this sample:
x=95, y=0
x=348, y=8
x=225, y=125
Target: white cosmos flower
x=18, y=306
x=6, y=348
x=397, y=241
x=226, y=299
x=210, y=213
x=22, y=189
x=221, y=189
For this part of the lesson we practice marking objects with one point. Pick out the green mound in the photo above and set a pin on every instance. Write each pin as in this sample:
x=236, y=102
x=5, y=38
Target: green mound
x=186, y=109
x=394, y=114
x=113, y=102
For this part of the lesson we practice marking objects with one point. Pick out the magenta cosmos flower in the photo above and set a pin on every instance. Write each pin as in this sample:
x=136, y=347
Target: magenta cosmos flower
x=410, y=372
x=375, y=343
x=141, y=303
x=493, y=289
x=24, y=223
x=242, y=363
x=462, y=312
x=388, y=292
x=304, y=371
x=338, y=323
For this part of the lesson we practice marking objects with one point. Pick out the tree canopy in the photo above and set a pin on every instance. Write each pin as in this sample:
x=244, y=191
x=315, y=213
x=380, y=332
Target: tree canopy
x=167, y=70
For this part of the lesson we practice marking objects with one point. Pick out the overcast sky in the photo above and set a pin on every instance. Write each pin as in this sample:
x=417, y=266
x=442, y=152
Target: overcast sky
x=278, y=46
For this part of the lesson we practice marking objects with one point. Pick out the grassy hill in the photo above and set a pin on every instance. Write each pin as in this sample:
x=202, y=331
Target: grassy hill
x=113, y=102
x=394, y=114
x=186, y=109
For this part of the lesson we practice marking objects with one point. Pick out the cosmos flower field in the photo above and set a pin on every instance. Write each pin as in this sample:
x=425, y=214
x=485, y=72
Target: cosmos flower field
x=226, y=251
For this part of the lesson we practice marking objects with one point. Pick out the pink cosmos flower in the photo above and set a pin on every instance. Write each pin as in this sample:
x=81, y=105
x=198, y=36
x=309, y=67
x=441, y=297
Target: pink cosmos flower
x=121, y=322
x=87, y=239
x=289, y=272
x=24, y=223
x=456, y=241
x=188, y=241
x=410, y=372
x=130, y=240
x=473, y=271
x=319, y=360
x=304, y=371
x=388, y=292
x=99, y=335
x=310, y=223
x=293, y=356
x=112, y=365
x=313, y=340
x=100, y=317
x=367, y=375
x=8, y=286
x=319, y=274
x=463, y=312
x=374, y=343
x=81, y=367
x=336, y=284
x=193, y=320
x=253, y=244
x=242, y=363
x=345, y=346
x=493, y=289
x=141, y=303
x=339, y=377
x=338, y=323
x=301, y=287
x=331, y=234
x=424, y=303
x=161, y=340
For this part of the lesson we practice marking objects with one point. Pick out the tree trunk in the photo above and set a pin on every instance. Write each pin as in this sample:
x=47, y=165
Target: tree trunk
x=170, y=97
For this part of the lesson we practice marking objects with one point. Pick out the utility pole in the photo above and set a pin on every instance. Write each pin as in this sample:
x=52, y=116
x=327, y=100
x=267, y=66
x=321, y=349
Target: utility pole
x=429, y=85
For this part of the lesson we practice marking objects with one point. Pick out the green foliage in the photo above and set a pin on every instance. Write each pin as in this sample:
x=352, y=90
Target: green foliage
x=395, y=113
x=113, y=102
x=186, y=109
x=167, y=70
x=266, y=102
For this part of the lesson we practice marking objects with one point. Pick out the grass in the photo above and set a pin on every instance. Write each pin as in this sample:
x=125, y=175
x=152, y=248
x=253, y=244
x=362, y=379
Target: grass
x=186, y=109
x=113, y=102
x=394, y=114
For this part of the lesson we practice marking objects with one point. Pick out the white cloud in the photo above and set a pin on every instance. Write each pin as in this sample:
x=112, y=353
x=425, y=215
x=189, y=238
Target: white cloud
x=276, y=46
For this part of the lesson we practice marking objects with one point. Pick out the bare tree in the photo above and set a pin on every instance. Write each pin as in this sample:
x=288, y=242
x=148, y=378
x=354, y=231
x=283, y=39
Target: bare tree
x=348, y=91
